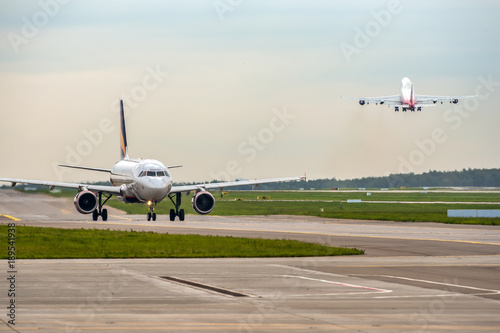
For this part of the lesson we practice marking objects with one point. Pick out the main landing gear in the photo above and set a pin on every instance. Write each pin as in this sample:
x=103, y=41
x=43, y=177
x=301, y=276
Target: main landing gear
x=99, y=211
x=151, y=214
x=177, y=204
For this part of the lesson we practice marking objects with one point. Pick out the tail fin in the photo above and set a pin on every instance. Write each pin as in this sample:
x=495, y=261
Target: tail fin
x=123, y=134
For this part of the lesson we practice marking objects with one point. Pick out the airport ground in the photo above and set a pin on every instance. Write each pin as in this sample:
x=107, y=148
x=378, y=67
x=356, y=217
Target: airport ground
x=414, y=277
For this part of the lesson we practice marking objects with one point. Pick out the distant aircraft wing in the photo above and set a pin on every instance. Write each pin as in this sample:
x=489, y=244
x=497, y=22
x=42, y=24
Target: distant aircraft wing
x=80, y=187
x=423, y=100
x=387, y=100
x=220, y=186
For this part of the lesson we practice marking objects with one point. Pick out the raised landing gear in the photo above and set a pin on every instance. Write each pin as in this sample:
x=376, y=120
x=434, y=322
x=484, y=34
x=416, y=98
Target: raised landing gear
x=103, y=213
x=177, y=204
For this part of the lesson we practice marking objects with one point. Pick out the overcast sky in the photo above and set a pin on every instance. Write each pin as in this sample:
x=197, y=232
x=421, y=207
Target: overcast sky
x=246, y=89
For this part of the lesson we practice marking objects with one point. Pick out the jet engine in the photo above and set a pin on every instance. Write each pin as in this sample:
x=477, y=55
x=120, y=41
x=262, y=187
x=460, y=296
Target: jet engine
x=85, y=202
x=455, y=101
x=203, y=202
x=361, y=102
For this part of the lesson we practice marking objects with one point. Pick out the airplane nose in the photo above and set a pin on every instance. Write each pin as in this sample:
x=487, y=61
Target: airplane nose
x=154, y=189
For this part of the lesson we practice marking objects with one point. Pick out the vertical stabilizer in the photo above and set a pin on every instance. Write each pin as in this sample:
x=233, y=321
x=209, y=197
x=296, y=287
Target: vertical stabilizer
x=123, y=134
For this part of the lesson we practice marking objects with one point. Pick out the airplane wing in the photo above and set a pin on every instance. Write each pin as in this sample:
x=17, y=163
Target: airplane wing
x=388, y=100
x=80, y=187
x=220, y=186
x=430, y=100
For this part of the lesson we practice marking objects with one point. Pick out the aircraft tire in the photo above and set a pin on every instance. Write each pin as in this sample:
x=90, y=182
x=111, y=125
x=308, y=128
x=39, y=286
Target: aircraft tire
x=104, y=214
x=95, y=215
x=181, y=215
x=172, y=215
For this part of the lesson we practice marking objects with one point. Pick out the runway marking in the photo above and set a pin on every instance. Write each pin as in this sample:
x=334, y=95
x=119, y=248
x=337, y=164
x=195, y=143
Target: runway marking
x=296, y=232
x=11, y=217
x=433, y=296
x=203, y=286
x=489, y=291
x=339, y=283
x=120, y=217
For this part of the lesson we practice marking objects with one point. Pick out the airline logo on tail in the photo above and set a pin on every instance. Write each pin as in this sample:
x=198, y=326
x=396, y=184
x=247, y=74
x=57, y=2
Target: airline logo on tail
x=123, y=135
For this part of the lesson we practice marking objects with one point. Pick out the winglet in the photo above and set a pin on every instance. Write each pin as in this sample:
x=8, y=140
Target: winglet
x=123, y=134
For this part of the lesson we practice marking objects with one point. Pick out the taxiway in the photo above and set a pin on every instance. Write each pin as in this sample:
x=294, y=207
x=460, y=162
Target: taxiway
x=414, y=277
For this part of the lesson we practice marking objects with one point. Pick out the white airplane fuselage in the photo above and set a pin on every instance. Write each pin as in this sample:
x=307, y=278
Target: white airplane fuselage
x=407, y=94
x=141, y=180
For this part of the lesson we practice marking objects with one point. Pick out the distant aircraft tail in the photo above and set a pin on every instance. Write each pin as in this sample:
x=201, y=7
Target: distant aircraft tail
x=123, y=134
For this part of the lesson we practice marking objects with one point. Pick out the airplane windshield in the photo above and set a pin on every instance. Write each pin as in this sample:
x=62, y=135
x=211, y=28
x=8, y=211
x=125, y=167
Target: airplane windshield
x=154, y=174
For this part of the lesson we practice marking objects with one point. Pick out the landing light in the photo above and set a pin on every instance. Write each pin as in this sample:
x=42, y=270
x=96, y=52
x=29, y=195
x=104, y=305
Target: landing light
x=149, y=203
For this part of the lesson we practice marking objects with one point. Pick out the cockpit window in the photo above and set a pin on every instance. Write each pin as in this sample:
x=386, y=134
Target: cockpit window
x=154, y=174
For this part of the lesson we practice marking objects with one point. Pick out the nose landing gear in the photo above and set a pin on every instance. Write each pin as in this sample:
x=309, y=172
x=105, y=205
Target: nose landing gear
x=151, y=214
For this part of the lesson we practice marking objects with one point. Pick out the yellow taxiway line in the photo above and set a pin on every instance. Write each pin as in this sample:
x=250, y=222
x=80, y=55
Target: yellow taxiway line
x=11, y=217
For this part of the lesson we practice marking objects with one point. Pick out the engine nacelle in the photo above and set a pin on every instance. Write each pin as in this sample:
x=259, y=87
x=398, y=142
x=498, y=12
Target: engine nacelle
x=203, y=202
x=361, y=102
x=455, y=101
x=85, y=202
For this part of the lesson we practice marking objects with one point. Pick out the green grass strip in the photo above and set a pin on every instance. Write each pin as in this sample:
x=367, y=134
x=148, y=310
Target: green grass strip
x=55, y=243
x=310, y=204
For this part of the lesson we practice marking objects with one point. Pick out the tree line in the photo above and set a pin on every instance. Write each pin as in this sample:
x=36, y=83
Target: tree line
x=432, y=178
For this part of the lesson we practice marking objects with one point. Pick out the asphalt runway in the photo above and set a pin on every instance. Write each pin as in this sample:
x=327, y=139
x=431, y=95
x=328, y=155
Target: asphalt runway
x=414, y=277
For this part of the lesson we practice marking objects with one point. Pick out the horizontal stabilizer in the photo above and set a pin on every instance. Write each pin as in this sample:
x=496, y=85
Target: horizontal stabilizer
x=85, y=168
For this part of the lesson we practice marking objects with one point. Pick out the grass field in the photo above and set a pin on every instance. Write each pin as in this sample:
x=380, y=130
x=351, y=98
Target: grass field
x=395, y=206
x=52, y=243
x=327, y=204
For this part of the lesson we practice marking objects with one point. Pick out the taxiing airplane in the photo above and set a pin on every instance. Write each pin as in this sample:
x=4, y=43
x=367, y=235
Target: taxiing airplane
x=141, y=181
x=408, y=100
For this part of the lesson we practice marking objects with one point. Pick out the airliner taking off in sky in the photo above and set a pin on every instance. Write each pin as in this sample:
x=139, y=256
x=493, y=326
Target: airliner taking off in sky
x=408, y=100
x=141, y=181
